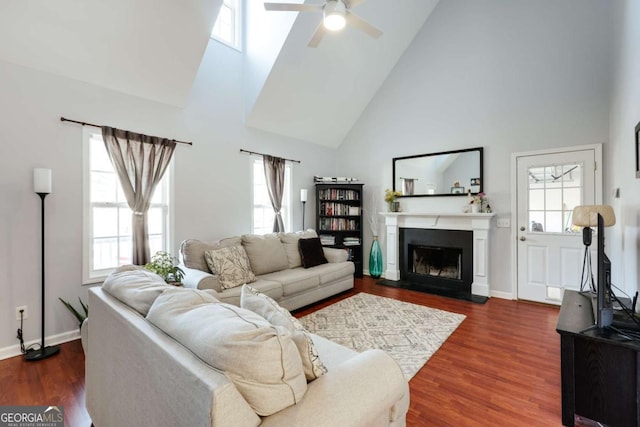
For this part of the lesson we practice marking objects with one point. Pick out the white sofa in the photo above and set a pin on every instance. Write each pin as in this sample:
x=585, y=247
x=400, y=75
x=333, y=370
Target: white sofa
x=276, y=262
x=136, y=374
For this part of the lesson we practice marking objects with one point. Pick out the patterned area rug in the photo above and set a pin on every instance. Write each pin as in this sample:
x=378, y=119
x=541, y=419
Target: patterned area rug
x=409, y=333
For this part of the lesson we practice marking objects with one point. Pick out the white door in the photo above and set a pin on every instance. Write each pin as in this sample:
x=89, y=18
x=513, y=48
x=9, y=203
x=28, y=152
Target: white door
x=550, y=249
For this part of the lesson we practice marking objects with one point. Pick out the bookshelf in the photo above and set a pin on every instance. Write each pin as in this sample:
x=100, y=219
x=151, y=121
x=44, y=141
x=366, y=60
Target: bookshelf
x=339, y=219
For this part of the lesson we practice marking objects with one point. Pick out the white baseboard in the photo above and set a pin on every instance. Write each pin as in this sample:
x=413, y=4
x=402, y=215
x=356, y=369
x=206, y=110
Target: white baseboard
x=502, y=294
x=14, y=350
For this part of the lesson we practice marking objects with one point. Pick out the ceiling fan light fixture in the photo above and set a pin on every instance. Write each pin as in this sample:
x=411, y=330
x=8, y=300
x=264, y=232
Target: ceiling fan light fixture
x=334, y=15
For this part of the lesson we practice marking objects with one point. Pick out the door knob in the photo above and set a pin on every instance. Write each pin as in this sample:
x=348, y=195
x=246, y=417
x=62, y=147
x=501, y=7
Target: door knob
x=522, y=228
x=522, y=238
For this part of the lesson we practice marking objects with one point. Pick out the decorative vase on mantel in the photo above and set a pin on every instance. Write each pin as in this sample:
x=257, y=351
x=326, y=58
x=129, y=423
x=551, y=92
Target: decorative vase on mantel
x=375, y=259
x=394, y=206
x=475, y=208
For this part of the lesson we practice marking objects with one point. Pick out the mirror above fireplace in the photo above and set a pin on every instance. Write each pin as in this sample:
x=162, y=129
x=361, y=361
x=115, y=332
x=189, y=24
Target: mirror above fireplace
x=448, y=173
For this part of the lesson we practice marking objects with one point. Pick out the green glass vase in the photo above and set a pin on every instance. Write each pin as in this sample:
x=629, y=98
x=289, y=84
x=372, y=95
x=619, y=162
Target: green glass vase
x=375, y=259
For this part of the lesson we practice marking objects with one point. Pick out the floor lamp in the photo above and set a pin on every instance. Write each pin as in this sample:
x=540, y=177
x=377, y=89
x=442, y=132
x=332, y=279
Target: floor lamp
x=42, y=187
x=303, y=199
x=587, y=216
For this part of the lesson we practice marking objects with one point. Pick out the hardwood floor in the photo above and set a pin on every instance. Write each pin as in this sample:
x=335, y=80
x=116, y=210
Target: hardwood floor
x=501, y=367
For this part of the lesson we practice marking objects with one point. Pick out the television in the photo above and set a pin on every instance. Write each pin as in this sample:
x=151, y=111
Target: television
x=604, y=306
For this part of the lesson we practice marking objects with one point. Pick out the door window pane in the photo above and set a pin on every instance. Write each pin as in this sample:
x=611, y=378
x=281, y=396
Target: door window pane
x=553, y=193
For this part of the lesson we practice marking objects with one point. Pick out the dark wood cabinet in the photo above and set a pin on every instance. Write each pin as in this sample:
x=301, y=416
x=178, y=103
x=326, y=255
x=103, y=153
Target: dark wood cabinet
x=339, y=220
x=600, y=368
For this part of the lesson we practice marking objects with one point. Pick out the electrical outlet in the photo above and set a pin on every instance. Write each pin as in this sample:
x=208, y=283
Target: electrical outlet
x=25, y=314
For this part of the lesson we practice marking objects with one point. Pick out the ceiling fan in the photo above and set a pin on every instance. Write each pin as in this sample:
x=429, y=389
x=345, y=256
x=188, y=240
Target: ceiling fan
x=337, y=13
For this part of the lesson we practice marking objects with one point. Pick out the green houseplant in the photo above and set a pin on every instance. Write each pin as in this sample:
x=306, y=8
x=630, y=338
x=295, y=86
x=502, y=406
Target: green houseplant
x=165, y=266
x=81, y=316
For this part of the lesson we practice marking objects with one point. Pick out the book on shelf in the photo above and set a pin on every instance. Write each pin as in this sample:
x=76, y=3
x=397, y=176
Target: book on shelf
x=335, y=179
x=339, y=224
x=351, y=241
x=349, y=254
x=338, y=194
x=327, y=239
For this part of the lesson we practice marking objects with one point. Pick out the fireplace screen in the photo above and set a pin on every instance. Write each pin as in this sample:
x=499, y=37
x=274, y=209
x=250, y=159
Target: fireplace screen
x=438, y=262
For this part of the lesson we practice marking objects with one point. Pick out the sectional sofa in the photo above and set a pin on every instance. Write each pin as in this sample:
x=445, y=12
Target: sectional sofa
x=277, y=264
x=156, y=356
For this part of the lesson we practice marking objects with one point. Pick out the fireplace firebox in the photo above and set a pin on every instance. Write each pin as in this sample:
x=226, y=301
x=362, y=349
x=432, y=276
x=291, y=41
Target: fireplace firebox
x=437, y=261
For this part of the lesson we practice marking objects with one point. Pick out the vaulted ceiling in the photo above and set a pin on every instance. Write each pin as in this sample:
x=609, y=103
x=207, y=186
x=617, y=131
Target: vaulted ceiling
x=153, y=49
x=148, y=48
x=317, y=94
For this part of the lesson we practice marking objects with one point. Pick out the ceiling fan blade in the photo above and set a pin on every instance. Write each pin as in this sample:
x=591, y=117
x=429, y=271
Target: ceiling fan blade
x=363, y=25
x=353, y=3
x=317, y=36
x=294, y=7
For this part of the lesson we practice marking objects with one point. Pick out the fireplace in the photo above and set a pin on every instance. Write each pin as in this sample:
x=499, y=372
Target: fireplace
x=474, y=258
x=437, y=261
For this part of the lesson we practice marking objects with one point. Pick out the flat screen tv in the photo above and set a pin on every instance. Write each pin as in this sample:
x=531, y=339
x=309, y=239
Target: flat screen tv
x=604, y=308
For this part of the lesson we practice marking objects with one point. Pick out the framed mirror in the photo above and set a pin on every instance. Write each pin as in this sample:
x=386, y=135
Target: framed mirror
x=448, y=173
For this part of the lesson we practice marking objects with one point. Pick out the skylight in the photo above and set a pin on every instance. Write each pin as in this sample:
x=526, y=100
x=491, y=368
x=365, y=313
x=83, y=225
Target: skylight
x=228, y=24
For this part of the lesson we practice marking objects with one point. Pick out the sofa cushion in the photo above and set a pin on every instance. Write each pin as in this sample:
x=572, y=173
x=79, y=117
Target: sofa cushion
x=259, y=358
x=333, y=271
x=266, y=307
x=311, y=252
x=231, y=265
x=136, y=287
x=294, y=280
x=266, y=253
x=192, y=251
x=269, y=287
x=290, y=244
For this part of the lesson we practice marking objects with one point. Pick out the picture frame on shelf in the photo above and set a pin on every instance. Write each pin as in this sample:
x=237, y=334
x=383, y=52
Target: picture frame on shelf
x=457, y=190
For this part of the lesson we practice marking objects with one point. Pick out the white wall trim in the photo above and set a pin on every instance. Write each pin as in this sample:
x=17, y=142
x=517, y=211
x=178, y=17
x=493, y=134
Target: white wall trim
x=503, y=295
x=14, y=350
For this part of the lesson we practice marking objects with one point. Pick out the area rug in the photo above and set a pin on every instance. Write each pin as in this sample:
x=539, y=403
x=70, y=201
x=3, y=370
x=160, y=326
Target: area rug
x=409, y=333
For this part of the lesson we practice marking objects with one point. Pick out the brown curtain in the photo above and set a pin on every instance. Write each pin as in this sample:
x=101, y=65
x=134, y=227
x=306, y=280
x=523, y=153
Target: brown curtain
x=140, y=162
x=274, y=174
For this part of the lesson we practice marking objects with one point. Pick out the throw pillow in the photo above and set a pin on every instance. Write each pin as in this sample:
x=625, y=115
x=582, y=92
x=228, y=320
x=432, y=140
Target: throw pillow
x=266, y=253
x=290, y=244
x=231, y=265
x=267, y=307
x=259, y=358
x=311, y=252
x=193, y=251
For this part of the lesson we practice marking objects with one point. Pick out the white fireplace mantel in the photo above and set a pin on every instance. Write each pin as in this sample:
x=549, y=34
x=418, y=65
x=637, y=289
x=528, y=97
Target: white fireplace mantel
x=479, y=223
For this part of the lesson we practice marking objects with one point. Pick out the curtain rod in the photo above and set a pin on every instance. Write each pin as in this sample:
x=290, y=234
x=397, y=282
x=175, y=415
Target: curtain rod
x=260, y=154
x=63, y=119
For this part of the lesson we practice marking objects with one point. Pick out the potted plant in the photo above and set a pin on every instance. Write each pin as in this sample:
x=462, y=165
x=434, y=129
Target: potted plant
x=80, y=316
x=165, y=266
x=83, y=320
x=390, y=197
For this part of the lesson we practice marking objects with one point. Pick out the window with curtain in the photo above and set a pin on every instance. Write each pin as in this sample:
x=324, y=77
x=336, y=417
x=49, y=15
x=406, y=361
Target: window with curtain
x=263, y=214
x=227, y=28
x=107, y=241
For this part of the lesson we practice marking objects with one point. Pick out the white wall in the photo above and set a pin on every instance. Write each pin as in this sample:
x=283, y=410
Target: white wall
x=623, y=240
x=508, y=75
x=212, y=186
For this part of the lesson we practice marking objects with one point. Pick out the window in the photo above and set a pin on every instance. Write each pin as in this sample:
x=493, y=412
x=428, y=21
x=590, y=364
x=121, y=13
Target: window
x=263, y=214
x=227, y=26
x=553, y=193
x=107, y=237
